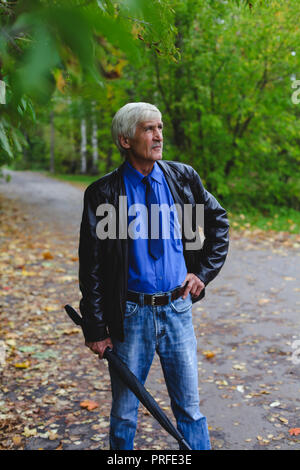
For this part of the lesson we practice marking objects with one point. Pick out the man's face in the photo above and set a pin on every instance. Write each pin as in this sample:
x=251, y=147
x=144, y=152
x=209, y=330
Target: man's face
x=147, y=143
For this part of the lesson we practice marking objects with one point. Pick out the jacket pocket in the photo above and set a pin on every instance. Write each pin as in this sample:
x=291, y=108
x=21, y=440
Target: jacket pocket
x=181, y=305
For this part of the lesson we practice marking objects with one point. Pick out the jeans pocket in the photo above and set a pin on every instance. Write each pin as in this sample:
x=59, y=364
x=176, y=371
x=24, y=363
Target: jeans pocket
x=131, y=308
x=181, y=305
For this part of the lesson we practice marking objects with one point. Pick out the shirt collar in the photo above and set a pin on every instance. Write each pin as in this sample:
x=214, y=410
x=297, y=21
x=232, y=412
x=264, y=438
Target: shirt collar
x=135, y=177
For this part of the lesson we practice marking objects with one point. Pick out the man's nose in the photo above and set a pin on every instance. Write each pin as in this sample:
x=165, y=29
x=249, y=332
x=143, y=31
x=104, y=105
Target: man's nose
x=158, y=134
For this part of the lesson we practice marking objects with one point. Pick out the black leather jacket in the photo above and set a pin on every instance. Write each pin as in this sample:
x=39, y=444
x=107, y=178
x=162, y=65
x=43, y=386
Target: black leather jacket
x=103, y=264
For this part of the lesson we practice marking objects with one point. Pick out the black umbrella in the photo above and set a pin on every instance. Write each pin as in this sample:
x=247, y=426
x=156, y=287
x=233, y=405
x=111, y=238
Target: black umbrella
x=135, y=386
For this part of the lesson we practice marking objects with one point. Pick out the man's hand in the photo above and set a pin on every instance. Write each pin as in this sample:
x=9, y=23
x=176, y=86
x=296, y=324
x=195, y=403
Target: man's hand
x=98, y=347
x=194, y=286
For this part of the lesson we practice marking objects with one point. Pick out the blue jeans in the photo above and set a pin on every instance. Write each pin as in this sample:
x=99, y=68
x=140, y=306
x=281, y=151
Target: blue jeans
x=168, y=330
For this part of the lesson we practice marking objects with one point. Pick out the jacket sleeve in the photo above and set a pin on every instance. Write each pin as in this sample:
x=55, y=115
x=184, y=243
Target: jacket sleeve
x=91, y=274
x=216, y=232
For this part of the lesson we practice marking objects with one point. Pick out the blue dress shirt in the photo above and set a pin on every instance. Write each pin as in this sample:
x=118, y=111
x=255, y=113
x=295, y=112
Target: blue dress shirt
x=145, y=273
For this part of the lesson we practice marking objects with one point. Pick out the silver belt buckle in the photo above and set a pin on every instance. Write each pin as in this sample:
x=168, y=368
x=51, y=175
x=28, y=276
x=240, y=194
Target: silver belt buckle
x=154, y=297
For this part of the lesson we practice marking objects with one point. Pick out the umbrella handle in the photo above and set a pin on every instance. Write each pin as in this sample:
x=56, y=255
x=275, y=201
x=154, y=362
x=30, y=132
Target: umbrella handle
x=106, y=352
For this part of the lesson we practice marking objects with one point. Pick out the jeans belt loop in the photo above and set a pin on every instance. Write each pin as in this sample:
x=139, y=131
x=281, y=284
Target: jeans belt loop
x=170, y=297
x=141, y=301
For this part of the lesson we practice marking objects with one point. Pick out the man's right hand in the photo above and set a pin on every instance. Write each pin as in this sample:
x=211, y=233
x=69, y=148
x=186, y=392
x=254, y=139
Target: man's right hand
x=98, y=347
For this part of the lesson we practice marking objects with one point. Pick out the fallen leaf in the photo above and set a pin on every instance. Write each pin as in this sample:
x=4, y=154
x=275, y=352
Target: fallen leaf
x=208, y=354
x=294, y=431
x=72, y=331
x=66, y=278
x=28, y=273
x=51, y=308
x=29, y=432
x=238, y=367
x=22, y=365
x=264, y=301
x=47, y=255
x=89, y=404
x=283, y=420
x=17, y=440
x=52, y=435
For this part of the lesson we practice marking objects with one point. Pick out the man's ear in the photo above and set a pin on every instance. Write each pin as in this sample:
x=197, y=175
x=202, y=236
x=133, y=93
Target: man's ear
x=124, y=142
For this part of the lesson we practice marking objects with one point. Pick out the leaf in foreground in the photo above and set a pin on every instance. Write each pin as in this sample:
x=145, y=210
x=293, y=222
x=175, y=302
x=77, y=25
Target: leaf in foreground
x=89, y=404
x=294, y=431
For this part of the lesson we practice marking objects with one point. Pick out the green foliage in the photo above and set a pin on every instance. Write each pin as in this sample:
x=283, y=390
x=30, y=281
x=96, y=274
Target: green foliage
x=48, y=44
x=227, y=102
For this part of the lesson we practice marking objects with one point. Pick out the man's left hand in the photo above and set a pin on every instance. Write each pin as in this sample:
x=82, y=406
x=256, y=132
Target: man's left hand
x=194, y=285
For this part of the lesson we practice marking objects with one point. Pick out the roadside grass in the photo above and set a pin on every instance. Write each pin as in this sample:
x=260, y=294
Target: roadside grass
x=80, y=181
x=281, y=219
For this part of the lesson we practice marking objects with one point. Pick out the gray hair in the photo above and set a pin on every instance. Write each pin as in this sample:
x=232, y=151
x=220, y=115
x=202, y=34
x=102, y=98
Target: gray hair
x=126, y=119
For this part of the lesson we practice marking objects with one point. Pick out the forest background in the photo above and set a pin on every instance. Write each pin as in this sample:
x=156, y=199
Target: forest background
x=223, y=73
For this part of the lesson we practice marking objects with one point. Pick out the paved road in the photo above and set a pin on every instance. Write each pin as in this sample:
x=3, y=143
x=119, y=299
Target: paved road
x=249, y=365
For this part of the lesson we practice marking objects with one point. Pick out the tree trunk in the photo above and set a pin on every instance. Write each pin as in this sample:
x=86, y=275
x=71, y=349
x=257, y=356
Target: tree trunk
x=73, y=164
x=83, y=146
x=52, y=157
x=94, y=140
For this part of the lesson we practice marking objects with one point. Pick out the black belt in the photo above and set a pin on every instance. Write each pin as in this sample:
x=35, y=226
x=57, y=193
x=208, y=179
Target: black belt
x=155, y=299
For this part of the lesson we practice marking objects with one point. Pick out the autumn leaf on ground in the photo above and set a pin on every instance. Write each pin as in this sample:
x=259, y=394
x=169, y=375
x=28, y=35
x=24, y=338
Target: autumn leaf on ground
x=22, y=365
x=52, y=435
x=208, y=354
x=67, y=278
x=28, y=273
x=264, y=301
x=47, y=255
x=283, y=420
x=238, y=366
x=72, y=331
x=294, y=431
x=29, y=432
x=89, y=404
x=17, y=440
x=51, y=308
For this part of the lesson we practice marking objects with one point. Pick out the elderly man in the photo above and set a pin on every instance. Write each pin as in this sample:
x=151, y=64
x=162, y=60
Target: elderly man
x=138, y=291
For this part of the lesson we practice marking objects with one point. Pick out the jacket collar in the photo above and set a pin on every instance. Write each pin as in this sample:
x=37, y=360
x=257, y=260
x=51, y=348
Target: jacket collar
x=175, y=183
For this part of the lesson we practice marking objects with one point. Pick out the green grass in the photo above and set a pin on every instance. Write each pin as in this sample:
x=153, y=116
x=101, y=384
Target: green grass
x=281, y=219
x=83, y=179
